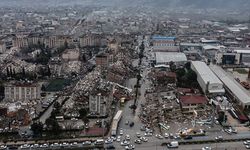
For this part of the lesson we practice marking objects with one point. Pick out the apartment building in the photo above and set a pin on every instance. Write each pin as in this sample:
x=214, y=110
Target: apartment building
x=22, y=91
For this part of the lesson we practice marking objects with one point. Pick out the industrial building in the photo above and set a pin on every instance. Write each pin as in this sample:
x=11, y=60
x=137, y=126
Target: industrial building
x=225, y=58
x=234, y=90
x=245, y=55
x=207, y=80
x=163, y=43
x=167, y=57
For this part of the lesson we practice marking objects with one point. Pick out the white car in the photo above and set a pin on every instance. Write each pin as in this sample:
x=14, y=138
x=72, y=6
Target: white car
x=159, y=136
x=65, y=144
x=44, y=146
x=25, y=146
x=125, y=143
x=219, y=138
x=206, y=148
x=138, y=141
x=166, y=135
x=143, y=139
x=74, y=144
x=3, y=147
x=247, y=142
x=148, y=134
x=138, y=134
x=55, y=145
x=34, y=146
x=121, y=132
x=127, y=137
x=129, y=147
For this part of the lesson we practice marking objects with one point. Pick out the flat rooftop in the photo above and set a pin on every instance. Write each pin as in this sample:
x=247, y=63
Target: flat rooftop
x=165, y=57
x=240, y=92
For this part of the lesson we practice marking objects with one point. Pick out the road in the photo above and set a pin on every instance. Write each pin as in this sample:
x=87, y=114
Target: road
x=155, y=143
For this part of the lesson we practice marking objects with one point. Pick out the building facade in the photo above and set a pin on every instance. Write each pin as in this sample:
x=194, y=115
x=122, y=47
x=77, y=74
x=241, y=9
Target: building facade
x=99, y=104
x=22, y=91
x=166, y=44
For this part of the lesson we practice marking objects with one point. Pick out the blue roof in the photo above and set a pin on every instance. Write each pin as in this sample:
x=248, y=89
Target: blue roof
x=163, y=38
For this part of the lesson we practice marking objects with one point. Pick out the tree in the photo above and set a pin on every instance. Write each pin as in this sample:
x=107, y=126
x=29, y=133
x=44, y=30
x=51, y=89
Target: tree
x=83, y=113
x=14, y=72
x=48, y=71
x=37, y=128
x=11, y=74
x=8, y=71
x=43, y=88
x=172, y=66
x=52, y=125
x=188, y=65
x=66, y=45
x=180, y=73
x=23, y=72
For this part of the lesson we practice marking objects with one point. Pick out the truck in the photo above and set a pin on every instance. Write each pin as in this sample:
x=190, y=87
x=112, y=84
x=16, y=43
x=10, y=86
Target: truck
x=173, y=144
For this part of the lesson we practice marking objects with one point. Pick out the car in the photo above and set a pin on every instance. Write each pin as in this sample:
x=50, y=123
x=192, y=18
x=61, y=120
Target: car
x=25, y=146
x=129, y=147
x=148, y=134
x=121, y=132
x=206, y=148
x=108, y=141
x=138, y=141
x=171, y=136
x=34, y=146
x=64, y=144
x=124, y=143
x=127, y=122
x=127, y=137
x=247, y=146
x=189, y=137
x=2, y=147
x=159, y=136
x=74, y=144
x=228, y=131
x=166, y=135
x=131, y=124
x=142, y=128
x=144, y=139
x=219, y=138
x=113, y=138
x=132, y=146
x=88, y=142
x=44, y=145
x=247, y=142
x=110, y=147
x=138, y=134
x=55, y=145
x=118, y=139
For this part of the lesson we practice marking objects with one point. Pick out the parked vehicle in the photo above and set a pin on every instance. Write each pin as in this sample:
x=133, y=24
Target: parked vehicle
x=173, y=144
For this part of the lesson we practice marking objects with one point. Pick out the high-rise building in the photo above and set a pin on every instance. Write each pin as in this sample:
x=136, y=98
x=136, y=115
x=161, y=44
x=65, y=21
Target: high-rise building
x=22, y=91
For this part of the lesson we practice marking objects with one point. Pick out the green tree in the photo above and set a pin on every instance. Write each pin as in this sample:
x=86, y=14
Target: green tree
x=48, y=71
x=37, y=128
x=23, y=72
x=8, y=71
x=172, y=66
x=83, y=113
x=52, y=125
x=43, y=88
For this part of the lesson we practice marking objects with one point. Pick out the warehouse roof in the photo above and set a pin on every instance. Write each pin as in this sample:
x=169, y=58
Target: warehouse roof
x=241, y=93
x=163, y=38
x=165, y=57
x=205, y=72
x=193, y=99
